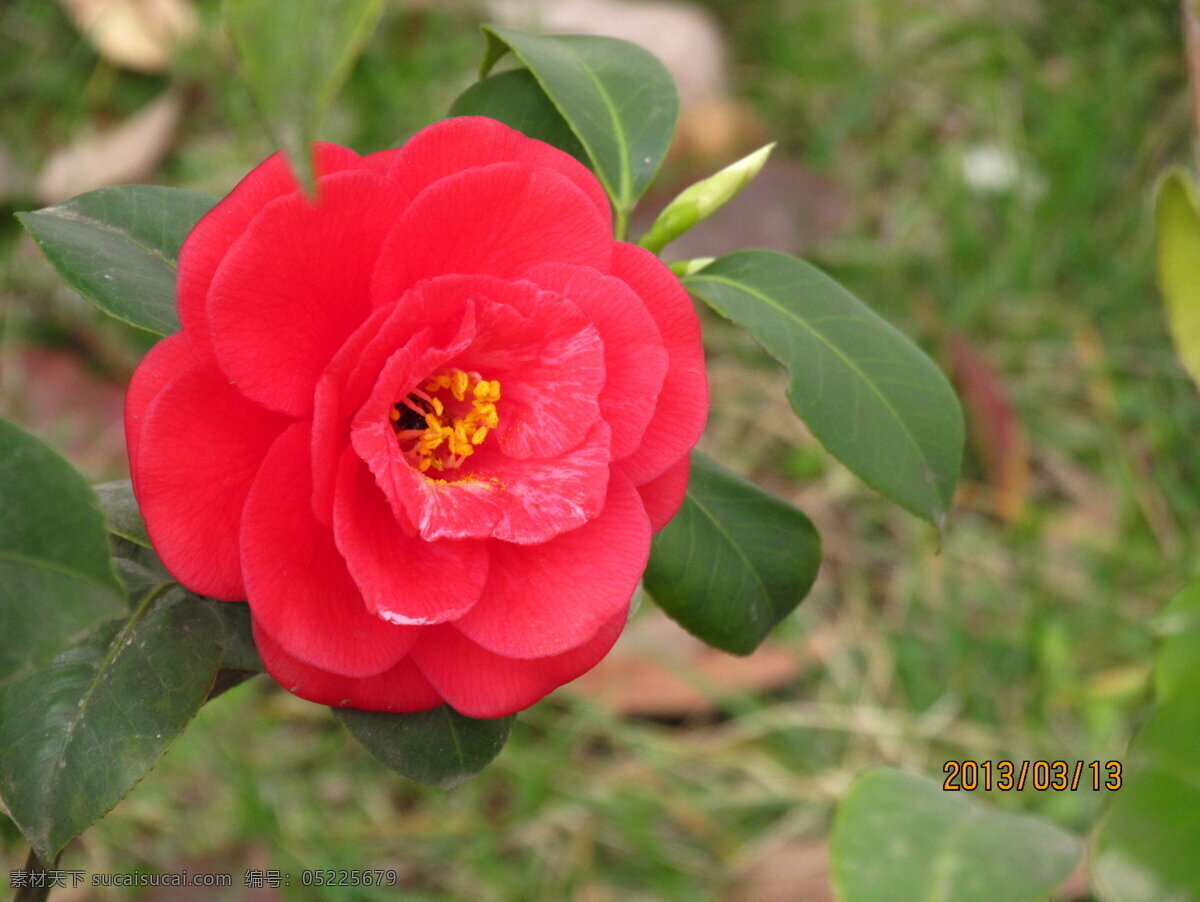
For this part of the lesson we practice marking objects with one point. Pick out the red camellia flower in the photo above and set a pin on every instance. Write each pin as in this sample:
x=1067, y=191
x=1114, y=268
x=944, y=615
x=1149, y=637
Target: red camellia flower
x=424, y=424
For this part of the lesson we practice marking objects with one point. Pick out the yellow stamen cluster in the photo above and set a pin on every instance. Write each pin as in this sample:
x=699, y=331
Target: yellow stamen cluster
x=452, y=429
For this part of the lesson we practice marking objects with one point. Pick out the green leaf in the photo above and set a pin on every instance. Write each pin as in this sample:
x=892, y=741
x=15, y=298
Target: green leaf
x=56, y=577
x=734, y=561
x=515, y=98
x=118, y=248
x=618, y=99
x=237, y=641
x=1177, y=664
x=121, y=511
x=1145, y=848
x=899, y=837
x=79, y=733
x=295, y=61
x=1177, y=216
x=139, y=569
x=438, y=747
x=868, y=394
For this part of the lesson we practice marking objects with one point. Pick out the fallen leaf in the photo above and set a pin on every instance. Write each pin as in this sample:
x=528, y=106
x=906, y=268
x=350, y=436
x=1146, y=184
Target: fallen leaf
x=793, y=871
x=994, y=426
x=659, y=670
x=134, y=34
x=55, y=396
x=124, y=153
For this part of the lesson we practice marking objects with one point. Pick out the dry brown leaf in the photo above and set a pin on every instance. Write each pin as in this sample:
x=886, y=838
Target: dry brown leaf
x=55, y=396
x=995, y=427
x=125, y=153
x=797, y=871
x=134, y=34
x=659, y=670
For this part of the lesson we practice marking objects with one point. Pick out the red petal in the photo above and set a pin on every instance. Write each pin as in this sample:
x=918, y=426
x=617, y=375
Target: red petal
x=299, y=589
x=453, y=145
x=215, y=233
x=683, y=405
x=162, y=363
x=381, y=161
x=548, y=357
x=546, y=599
x=295, y=286
x=331, y=414
x=403, y=579
x=493, y=496
x=400, y=689
x=663, y=494
x=201, y=445
x=635, y=361
x=498, y=220
x=478, y=683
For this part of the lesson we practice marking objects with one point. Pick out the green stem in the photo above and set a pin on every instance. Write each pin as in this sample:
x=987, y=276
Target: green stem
x=1191, y=35
x=28, y=893
x=620, y=222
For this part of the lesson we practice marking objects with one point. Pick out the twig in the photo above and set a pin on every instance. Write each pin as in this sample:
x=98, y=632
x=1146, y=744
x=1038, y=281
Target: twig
x=1191, y=35
x=34, y=889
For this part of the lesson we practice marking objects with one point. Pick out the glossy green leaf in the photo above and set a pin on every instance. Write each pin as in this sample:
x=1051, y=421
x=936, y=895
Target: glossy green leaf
x=56, y=577
x=898, y=837
x=1177, y=664
x=79, y=733
x=516, y=99
x=1177, y=216
x=618, y=99
x=868, y=394
x=438, y=747
x=139, y=569
x=1146, y=847
x=734, y=561
x=237, y=641
x=121, y=512
x=118, y=248
x=295, y=57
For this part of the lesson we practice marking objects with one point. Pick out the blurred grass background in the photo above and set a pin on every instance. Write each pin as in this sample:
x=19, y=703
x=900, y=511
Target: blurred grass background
x=1025, y=635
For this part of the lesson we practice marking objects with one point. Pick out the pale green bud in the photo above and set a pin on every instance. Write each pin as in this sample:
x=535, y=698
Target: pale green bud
x=683, y=268
x=701, y=200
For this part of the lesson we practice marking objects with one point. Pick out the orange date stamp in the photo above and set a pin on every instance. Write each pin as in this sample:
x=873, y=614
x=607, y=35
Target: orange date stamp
x=1041, y=775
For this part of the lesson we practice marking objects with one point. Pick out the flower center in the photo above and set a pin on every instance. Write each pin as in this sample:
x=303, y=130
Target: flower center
x=440, y=424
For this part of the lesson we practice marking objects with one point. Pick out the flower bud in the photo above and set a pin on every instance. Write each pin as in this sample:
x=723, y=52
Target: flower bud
x=699, y=201
x=683, y=268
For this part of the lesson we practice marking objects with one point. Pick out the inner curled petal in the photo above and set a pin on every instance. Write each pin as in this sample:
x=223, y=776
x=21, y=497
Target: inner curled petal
x=440, y=424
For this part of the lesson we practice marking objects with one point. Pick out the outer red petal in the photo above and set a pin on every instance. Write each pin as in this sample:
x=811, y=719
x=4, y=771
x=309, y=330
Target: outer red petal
x=683, y=405
x=331, y=415
x=635, y=360
x=403, y=579
x=400, y=689
x=547, y=599
x=499, y=220
x=452, y=145
x=663, y=494
x=162, y=363
x=478, y=683
x=200, y=446
x=296, y=581
x=215, y=233
x=296, y=285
